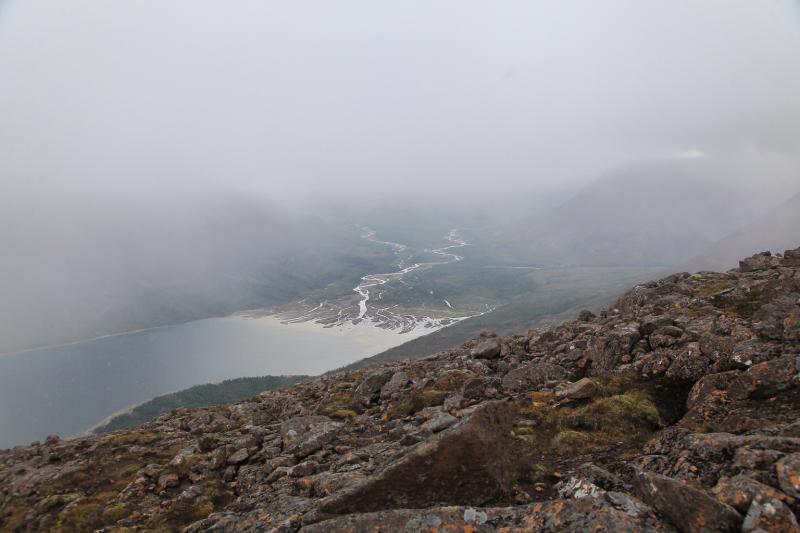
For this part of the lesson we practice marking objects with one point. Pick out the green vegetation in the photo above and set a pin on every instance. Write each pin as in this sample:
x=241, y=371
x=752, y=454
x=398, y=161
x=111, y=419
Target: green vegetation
x=340, y=404
x=747, y=305
x=713, y=288
x=198, y=396
x=415, y=401
x=619, y=417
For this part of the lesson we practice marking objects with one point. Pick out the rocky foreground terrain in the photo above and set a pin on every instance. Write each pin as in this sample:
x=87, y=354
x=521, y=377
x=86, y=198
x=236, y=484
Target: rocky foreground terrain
x=676, y=410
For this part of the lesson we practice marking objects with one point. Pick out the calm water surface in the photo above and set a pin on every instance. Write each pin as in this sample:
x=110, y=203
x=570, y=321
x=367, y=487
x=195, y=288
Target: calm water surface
x=68, y=389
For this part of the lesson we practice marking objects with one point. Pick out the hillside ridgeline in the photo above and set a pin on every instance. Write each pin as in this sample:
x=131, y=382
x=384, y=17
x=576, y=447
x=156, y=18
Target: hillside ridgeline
x=677, y=409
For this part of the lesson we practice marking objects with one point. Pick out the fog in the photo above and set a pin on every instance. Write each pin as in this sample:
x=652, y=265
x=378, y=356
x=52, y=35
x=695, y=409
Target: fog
x=131, y=133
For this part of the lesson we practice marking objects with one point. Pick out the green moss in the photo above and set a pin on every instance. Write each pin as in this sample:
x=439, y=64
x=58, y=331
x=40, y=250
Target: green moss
x=615, y=419
x=12, y=513
x=614, y=383
x=712, y=288
x=114, y=513
x=87, y=514
x=137, y=438
x=415, y=401
x=215, y=495
x=452, y=380
x=340, y=404
x=568, y=440
x=747, y=305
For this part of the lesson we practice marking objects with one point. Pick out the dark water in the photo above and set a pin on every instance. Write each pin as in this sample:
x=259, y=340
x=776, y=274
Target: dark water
x=68, y=389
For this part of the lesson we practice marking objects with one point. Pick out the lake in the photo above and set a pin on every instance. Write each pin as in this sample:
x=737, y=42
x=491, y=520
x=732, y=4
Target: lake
x=67, y=389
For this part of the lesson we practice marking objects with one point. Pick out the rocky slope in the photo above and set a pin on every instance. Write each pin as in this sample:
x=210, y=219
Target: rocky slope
x=676, y=409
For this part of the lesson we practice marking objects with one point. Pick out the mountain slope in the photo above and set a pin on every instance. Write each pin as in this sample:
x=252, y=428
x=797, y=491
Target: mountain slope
x=676, y=409
x=778, y=230
x=646, y=216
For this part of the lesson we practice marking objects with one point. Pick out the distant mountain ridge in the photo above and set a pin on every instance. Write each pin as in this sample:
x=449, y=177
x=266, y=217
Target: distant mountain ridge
x=658, y=215
x=777, y=230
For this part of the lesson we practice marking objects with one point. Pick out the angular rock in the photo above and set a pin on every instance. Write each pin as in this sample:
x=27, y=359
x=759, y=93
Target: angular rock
x=440, y=422
x=690, y=510
x=759, y=261
x=581, y=389
x=168, y=481
x=238, y=457
x=469, y=462
x=488, y=349
x=788, y=472
x=605, y=351
x=740, y=491
x=397, y=383
x=304, y=435
x=370, y=388
x=533, y=376
x=770, y=516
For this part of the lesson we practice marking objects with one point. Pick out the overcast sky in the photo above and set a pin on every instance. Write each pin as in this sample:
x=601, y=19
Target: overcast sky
x=322, y=99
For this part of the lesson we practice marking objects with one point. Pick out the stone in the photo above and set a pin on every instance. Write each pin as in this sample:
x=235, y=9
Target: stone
x=759, y=261
x=468, y=463
x=533, y=377
x=439, y=422
x=238, y=457
x=398, y=382
x=586, y=316
x=788, y=473
x=770, y=516
x=488, y=349
x=370, y=388
x=581, y=389
x=306, y=468
x=741, y=490
x=651, y=323
x=689, y=509
x=304, y=435
x=604, y=351
x=168, y=481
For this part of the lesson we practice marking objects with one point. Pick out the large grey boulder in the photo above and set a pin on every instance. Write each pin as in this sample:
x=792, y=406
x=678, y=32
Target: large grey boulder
x=689, y=509
x=468, y=463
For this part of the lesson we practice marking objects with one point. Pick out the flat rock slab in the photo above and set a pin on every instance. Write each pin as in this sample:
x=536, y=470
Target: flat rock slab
x=303, y=435
x=586, y=514
x=467, y=463
x=533, y=376
x=689, y=509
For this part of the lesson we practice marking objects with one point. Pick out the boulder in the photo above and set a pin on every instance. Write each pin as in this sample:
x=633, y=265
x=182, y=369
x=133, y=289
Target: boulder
x=468, y=463
x=651, y=323
x=488, y=349
x=533, y=377
x=168, y=481
x=788, y=473
x=605, y=351
x=396, y=383
x=771, y=377
x=581, y=389
x=304, y=435
x=370, y=388
x=741, y=491
x=758, y=262
x=238, y=457
x=479, y=388
x=689, y=509
x=770, y=516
